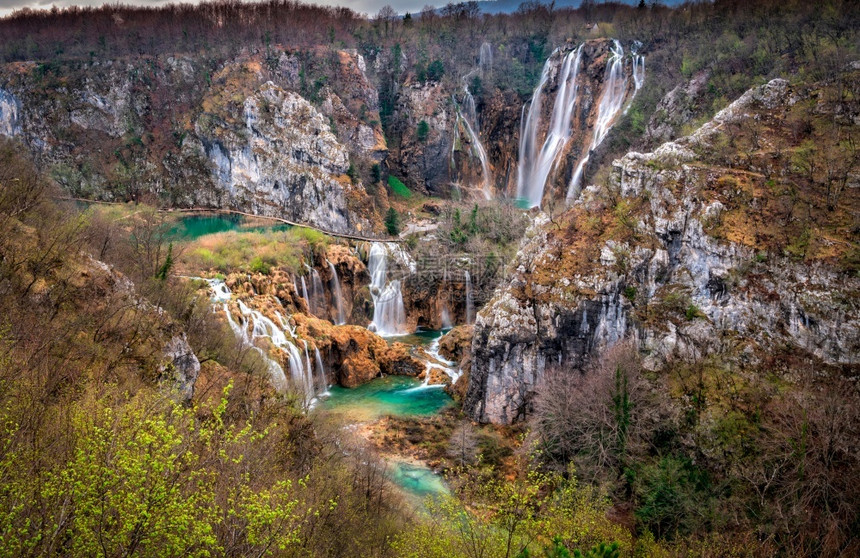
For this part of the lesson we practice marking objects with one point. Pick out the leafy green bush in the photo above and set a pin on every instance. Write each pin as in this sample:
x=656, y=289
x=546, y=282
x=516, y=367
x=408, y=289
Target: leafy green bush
x=259, y=266
x=392, y=222
x=398, y=187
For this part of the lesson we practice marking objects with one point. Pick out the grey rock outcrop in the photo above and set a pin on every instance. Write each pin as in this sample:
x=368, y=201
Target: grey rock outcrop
x=181, y=366
x=679, y=292
x=284, y=161
x=10, y=108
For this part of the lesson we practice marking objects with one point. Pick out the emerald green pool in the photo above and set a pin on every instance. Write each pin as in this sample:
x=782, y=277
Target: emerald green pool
x=422, y=337
x=192, y=227
x=417, y=481
x=391, y=395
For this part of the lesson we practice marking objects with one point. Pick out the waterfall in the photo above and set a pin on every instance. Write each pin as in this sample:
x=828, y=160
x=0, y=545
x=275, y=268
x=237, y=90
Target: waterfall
x=305, y=295
x=535, y=167
x=468, y=115
x=262, y=327
x=389, y=313
x=638, y=71
x=320, y=369
x=470, y=304
x=485, y=58
x=446, y=318
x=318, y=293
x=438, y=362
x=308, y=372
x=337, y=294
x=614, y=95
x=221, y=293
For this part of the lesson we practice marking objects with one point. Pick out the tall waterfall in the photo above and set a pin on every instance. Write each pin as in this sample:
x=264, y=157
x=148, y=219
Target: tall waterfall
x=323, y=386
x=389, y=313
x=470, y=303
x=614, y=96
x=535, y=167
x=301, y=372
x=485, y=58
x=305, y=295
x=337, y=294
x=468, y=116
x=318, y=293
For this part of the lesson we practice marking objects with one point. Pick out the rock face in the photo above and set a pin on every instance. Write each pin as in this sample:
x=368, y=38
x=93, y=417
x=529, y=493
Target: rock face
x=10, y=124
x=424, y=161
x=679, y=251
x=676, y=109
x=182, y=366
x=178, y=131
x=284, y=161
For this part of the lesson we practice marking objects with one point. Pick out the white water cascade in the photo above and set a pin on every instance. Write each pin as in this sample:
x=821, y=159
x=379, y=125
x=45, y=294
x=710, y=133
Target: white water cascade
x=535, y=166
x=323, y=387
x=614, y=96
x=318, y=293
x=468, y=115
x=301, y=373
x=305, y=295
x=337, y=294
x=470, y=303
x=485, y=58
x=389, y=313
x=438, y=362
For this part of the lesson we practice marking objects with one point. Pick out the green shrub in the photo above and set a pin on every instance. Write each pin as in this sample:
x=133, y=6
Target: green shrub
x=260, y=266
x=398, y=187
x=392, y=222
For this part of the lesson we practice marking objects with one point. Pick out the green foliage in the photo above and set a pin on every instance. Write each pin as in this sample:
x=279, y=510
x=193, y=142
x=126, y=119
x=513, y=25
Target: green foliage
x=352, y=173
x=692, y=312
x=630, y=293
x=422, y=131
x=258, y=265
x=673, y=496
x=392, y=222
x=398, y=187
x=435, y=70
x=164, y=271
x=134, y=485
x=375, y=173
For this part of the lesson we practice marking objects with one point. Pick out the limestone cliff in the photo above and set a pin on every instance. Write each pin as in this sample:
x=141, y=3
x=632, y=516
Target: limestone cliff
x=183, y=131
x=700, y=248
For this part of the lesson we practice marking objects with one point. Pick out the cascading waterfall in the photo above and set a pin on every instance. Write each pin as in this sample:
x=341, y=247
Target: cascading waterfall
x=445, y=318
x=614, y=96
x=389, y=313
x=437, y=362
x=305, y=295
x=535, y=167
x=320, y=369
x=262, y=327
x=485, y=58
x=468, y=115
x=337, y=294
x=317, y=292
x=470, y=303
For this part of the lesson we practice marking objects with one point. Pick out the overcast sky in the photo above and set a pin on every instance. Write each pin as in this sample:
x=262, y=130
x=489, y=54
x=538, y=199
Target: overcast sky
x=363, y=6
